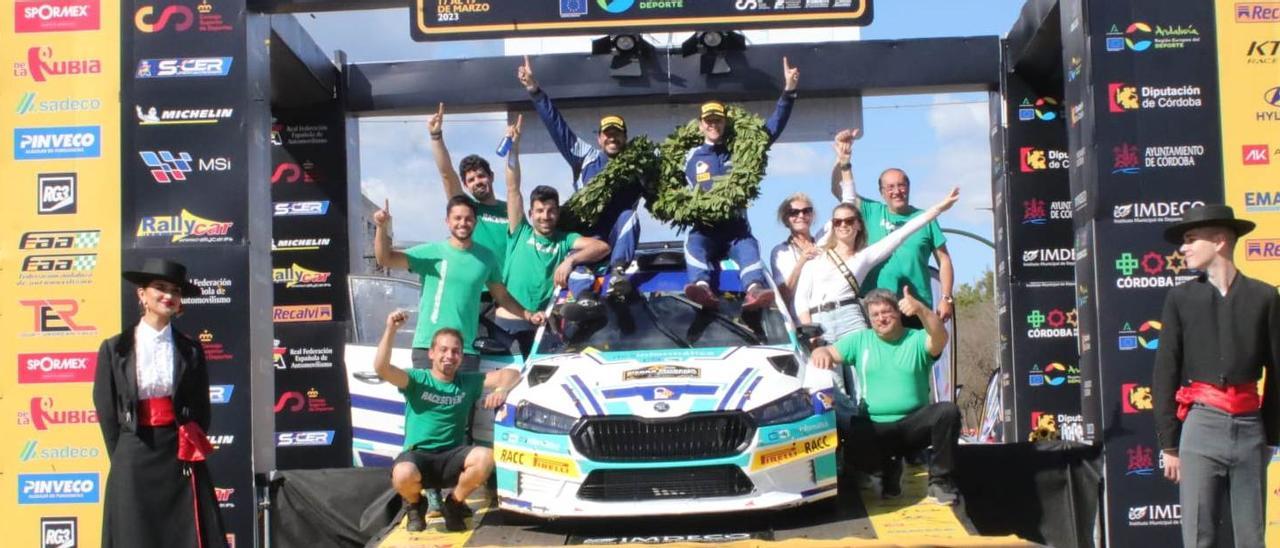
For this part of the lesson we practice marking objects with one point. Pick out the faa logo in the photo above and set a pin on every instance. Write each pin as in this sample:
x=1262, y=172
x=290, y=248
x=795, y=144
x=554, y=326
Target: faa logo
x=615, y=6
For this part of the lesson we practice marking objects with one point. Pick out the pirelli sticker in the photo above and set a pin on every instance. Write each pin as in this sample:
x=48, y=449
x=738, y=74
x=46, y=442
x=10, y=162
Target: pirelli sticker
x=793, y=451
x=551, y=464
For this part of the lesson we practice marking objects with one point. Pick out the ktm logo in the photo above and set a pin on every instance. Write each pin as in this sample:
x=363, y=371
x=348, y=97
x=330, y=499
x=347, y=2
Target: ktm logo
x=180, y=16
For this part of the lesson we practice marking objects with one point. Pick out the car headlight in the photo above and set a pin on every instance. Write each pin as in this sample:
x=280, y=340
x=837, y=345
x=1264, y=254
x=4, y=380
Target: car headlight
x=790, y=408
x=536, y=418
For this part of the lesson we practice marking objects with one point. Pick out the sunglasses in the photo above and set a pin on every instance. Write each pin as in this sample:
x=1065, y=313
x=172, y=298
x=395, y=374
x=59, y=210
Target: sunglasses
x=844, y=221
x=801, y=211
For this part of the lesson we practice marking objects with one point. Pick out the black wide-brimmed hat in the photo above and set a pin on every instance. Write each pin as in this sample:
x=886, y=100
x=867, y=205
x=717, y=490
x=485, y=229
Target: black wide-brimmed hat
x=162, y=269
x=1207, y=215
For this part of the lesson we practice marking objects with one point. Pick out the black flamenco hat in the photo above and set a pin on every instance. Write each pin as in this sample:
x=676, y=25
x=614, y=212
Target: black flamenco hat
x=162, y=269
x=1207, y=215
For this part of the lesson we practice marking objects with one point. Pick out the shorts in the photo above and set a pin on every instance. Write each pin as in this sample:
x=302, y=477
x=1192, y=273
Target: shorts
x=440, y=468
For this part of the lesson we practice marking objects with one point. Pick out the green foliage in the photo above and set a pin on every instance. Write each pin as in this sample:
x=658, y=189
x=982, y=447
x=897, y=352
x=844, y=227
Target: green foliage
x=634, y=165
x=981, y=291
x=679, y=204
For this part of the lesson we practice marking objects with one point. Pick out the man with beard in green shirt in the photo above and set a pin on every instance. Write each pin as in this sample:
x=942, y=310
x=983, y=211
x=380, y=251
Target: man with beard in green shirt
x=539, y=256
x=453, y=274
x=438, y=403
x=477, y=177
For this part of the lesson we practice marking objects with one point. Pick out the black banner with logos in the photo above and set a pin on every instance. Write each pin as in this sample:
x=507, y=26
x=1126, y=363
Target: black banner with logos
x=313, y=406
x=1046, y=363
x=1142, y=97
x=999, y=191
x=189, y=164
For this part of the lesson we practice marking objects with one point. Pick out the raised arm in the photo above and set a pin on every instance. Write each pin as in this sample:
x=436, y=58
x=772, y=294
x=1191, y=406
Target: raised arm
x=382, y=358
x=386, y=256
x=842, y=172
x=573, y=149
x=782, y=112
x=936, y=339
x=515, y=198
x=876, y=253
x=947, y=274
x=440, y=153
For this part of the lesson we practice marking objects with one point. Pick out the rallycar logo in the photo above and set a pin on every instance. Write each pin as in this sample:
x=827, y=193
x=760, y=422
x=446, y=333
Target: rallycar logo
x=185, y=227
x=299, y=277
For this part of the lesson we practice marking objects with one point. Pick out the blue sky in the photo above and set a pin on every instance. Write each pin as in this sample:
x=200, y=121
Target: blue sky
x=940, y=140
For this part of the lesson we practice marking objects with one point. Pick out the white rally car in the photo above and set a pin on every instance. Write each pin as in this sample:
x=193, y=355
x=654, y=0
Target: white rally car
x=664, y=408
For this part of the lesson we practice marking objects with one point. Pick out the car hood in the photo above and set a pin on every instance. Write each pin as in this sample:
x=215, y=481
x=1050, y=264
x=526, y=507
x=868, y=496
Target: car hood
x=670, y=383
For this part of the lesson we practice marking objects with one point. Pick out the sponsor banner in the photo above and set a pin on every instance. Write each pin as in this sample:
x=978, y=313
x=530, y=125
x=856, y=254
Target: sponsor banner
x=311, y=394
x=49, y=367
x=56, y=15
x=34, y=450
x=177, y=19
x=59, y=532
x=182, y=116
x=34, y=103
x=1150, y=37
x=184, y=67
x=302, y=313
x=170, y=166
x=43, y=64
x=184, y=227
x=537, y=463
x=68, y=488
x=57, y=143
x=56, y=193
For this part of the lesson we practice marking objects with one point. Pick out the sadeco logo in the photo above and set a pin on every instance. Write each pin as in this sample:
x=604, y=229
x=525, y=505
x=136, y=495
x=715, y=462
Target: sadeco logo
x=57, y=143
x=303, y=439
x=58, y=488
x=615, y=6
x=184, y=67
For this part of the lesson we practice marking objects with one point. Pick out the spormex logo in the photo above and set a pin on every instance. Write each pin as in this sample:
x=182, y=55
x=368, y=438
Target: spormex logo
x=51, y=367
x=1147, y=336
x=42, y=65
x=1257, y=12
x=184, y=67
x=1059, y=323
x=1135, y=398
x=1044, y=109
x=298, y=277
x=42, y=415
x=1255, y=155
x=56, y=193
x=55, y=317
x=185, y=227
x=1151, y=270
x=1262, y=250
x=56, y=15
x=1054, y=374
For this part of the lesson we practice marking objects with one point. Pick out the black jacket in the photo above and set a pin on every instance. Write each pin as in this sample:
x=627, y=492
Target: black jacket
x=115, y=385
x=1218, y=340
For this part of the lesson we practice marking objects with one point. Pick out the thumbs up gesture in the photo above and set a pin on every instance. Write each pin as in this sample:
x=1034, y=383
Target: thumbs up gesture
x=908, y=304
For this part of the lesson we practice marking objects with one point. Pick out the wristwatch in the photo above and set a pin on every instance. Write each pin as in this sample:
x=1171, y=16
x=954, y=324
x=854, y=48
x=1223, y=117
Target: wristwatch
x=948, y=299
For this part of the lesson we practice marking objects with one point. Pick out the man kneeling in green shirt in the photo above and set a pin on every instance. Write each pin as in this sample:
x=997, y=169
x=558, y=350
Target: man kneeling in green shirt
x=892, y=364
x=438, y=403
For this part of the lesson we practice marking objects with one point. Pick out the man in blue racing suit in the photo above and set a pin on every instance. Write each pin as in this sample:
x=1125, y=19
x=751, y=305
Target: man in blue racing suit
x=708, y=244
x=619, y=225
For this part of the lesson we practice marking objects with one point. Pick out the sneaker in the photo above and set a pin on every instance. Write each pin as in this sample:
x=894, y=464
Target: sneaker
x=700, y=293
x=434, y=501
x=757, y=297
x=454, y=514
x=413, y=515
x=943, y=491
x=891, y=479
x=619, y=285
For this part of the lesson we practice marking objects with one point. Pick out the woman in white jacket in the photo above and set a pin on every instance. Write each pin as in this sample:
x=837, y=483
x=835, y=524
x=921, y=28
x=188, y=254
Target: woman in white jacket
x=823, y=294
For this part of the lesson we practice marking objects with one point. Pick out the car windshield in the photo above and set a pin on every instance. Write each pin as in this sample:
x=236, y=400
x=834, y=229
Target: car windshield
x=666, y=320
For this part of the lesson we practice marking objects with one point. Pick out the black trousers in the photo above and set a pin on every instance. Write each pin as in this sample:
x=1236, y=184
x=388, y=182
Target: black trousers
x=868, y=445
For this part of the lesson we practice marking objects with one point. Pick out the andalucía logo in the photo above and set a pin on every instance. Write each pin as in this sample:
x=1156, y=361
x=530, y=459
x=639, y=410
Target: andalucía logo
x=1140, y=36
x=1054, y=374
x=1044, y=109
x=185, y=227
x=1146, y=336
x=615, y=6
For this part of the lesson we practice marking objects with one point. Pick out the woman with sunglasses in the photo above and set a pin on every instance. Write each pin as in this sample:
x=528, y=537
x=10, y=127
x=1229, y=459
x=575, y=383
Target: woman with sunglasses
x=787, y=258
x=151, y=393
x=827, y=291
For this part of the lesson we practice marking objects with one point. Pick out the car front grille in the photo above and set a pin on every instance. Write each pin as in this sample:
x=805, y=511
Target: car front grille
x=672, y=483
x=632, y=439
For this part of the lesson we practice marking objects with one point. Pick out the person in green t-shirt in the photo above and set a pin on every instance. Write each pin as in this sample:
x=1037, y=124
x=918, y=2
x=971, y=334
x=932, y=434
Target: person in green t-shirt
x=891, y=365
x=909, y=264
x=539, y=256
x=477, y=177
x=437, y=407
x=453, y=274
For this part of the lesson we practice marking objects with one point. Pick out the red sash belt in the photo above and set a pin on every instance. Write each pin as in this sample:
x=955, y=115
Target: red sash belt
x=193, y=444
x=1236, y=399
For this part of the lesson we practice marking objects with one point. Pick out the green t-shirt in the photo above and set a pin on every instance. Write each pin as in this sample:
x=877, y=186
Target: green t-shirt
x=531, y=262
x=452, y=280
x=909, y=264
x=436, y=412
x=491, y=230
x=893, y=377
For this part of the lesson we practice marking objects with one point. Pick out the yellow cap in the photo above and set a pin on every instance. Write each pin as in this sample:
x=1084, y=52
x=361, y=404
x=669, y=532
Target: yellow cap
x=612, y=121
x=712, y=108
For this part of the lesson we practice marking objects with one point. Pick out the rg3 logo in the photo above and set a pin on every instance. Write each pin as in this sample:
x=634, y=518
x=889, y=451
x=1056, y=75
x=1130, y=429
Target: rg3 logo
x=56, y=316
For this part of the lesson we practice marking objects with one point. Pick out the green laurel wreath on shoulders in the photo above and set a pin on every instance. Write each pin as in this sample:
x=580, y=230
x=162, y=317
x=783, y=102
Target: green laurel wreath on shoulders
x=679, y=204
x=634, y=165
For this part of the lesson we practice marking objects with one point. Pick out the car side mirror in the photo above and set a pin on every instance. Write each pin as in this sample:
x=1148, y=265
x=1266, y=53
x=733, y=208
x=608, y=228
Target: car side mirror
x=810, y=336
x=490, y=347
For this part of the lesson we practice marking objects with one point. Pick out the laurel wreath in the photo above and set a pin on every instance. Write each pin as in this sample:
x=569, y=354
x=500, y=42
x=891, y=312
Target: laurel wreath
x=634, y=165
x=679, y=204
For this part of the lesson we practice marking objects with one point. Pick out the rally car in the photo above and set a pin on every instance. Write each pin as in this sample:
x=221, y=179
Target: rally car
x=665, y=408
